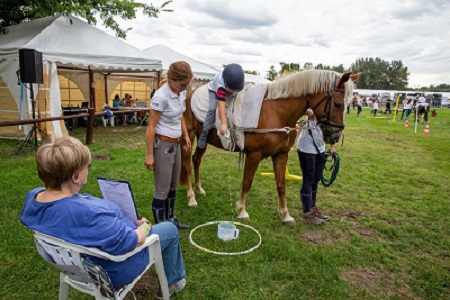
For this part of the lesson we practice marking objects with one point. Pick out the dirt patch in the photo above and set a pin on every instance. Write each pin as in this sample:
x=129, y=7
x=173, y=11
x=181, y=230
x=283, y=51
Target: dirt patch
x=352, y=214
x=379, y=284
x=364, y=230
x=145, y=288
x=101, y=157
x=324, y=237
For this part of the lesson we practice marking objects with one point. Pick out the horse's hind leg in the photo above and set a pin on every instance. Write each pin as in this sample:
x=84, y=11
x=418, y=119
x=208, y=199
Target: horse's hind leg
x=279, y=167
x=197, y=160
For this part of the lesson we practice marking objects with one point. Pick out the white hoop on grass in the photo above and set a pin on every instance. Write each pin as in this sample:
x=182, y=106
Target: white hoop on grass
x=224, y=253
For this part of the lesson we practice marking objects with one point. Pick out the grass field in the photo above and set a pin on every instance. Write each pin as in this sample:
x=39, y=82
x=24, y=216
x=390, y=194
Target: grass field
x=389, y=237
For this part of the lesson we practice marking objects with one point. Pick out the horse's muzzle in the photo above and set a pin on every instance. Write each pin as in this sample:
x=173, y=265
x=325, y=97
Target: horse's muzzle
x=332, y=132
x=332, y=138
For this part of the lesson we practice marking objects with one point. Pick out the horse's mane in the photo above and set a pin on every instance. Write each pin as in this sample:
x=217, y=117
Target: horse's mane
x=305, y=83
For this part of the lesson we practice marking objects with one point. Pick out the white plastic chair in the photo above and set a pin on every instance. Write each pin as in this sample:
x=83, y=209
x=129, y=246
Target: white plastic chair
x=76, y=272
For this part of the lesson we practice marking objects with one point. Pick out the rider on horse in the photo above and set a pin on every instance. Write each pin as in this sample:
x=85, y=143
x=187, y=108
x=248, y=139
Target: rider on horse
x=231, y=80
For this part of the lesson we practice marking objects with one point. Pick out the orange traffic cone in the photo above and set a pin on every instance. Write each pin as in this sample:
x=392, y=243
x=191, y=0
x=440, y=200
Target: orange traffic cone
x=407, y=124
x=427, y=129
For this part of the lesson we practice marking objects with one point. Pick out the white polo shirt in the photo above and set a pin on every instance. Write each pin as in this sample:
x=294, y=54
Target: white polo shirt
x=171, y=107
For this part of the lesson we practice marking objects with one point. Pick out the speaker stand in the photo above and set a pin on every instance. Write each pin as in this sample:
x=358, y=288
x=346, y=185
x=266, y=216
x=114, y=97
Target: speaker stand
x=31, y=139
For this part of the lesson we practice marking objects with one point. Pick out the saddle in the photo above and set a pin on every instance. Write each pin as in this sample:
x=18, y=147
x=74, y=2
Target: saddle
x=243, y=110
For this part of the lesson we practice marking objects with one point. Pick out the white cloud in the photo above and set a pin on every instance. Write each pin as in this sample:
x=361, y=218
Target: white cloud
x=259, y=34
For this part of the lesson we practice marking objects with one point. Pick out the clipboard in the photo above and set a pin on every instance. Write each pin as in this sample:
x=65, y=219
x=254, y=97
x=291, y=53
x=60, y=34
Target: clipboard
x=119, y=192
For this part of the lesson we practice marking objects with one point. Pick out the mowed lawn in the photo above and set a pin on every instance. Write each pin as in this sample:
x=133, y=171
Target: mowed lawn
x=388, y=239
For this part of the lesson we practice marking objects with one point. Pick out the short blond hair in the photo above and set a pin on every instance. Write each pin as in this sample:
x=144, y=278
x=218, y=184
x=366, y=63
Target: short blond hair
x=61, y=158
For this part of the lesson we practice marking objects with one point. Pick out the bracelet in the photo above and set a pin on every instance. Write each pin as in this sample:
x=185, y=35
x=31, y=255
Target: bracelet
x=149, y=156
x=147, y=228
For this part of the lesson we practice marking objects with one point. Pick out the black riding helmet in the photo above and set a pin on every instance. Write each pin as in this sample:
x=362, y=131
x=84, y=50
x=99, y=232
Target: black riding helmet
x=234, y=77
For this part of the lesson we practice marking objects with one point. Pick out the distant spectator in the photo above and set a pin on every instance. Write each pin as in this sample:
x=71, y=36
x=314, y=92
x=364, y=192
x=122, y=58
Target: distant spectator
x=375, y=107
x=359, y=105
x=407, y=107
x=388, y=106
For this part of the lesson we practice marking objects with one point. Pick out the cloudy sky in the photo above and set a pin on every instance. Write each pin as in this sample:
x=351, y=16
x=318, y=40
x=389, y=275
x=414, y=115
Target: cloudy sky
x=261, y=33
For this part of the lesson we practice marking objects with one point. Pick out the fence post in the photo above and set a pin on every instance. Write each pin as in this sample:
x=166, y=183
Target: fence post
x=90, y=125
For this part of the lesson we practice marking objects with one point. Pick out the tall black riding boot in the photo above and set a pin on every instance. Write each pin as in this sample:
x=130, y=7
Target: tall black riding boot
x=306, y=201
x=158, y=209
x=169, y=210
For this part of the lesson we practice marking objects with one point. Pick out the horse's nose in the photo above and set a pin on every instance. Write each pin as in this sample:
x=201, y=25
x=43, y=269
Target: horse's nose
x=334, y=138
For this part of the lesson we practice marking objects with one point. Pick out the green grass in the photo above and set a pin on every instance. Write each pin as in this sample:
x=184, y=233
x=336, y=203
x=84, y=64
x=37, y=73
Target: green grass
x=388, y=239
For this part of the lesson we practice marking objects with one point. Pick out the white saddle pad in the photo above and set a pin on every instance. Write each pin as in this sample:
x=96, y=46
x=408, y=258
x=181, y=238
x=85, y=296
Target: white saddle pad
x=243, y=110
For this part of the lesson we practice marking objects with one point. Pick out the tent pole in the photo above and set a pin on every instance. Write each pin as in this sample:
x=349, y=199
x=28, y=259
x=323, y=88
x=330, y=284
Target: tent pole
x=91, y=89
x=106, y=89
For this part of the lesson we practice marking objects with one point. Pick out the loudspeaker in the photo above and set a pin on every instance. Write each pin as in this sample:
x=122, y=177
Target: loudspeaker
x=30, y=62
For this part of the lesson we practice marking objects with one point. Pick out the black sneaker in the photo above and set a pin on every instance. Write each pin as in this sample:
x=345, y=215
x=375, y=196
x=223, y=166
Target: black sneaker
x=177, y=223
x=175, y=288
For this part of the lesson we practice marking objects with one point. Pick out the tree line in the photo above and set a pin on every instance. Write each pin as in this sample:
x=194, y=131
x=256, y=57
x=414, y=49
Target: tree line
x=377, y=74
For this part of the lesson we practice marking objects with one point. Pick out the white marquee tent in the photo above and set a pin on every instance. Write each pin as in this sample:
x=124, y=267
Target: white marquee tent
x=202, y=71
x=86, y=55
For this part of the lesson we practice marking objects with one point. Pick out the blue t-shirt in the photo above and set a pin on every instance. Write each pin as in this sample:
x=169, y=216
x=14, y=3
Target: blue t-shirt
x=92, y=222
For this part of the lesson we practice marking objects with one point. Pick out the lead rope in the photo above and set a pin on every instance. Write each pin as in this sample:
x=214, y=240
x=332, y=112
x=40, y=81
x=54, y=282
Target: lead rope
x=328, y=157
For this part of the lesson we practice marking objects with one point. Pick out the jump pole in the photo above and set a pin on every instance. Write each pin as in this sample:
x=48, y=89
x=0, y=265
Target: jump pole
x=396, y=109
x=286, y=175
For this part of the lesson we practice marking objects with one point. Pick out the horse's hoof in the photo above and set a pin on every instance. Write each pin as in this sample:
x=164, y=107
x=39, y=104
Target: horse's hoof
x=244, y=216
x=192, y=203
x=200, y=191
x=289, y=221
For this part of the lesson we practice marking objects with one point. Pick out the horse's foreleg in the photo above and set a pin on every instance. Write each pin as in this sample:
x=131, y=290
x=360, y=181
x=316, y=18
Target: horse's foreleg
x=279, y=167
x=251, y=165
x=197, y=160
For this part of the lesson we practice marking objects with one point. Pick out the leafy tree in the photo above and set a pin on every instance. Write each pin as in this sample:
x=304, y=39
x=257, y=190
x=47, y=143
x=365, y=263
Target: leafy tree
x=251, y=72
x=289, y=68
x=339, y=68
x=272, y=74
x=308, y=66
x=16, y=11
x=378, y=74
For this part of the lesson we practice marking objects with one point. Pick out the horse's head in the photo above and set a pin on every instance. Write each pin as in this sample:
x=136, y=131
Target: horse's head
x=331, y=108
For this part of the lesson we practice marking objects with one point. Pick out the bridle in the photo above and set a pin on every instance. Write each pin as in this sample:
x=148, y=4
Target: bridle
x=326, y=119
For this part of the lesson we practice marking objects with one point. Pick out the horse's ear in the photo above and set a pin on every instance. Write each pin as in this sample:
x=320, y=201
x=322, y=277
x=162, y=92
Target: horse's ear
x=355, y=77
x=344, y=78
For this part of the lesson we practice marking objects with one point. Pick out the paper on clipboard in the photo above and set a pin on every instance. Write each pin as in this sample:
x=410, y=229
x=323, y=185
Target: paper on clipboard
x=119, y=192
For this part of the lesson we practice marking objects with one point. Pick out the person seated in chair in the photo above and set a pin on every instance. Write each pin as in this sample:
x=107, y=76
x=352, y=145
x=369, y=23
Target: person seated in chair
x=59, y=210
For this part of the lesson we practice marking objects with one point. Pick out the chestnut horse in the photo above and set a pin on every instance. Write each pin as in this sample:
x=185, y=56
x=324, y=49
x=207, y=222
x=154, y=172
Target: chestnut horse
x=286, y=100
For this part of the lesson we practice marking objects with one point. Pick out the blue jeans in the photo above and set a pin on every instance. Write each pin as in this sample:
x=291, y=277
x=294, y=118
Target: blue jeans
x=407, y=112
x=171, y=251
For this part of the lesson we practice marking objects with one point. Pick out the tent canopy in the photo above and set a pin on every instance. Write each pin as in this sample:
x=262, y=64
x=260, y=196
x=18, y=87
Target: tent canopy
x=167, y=56
x=73, y=42
x=71, y=47
x=202, y=71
